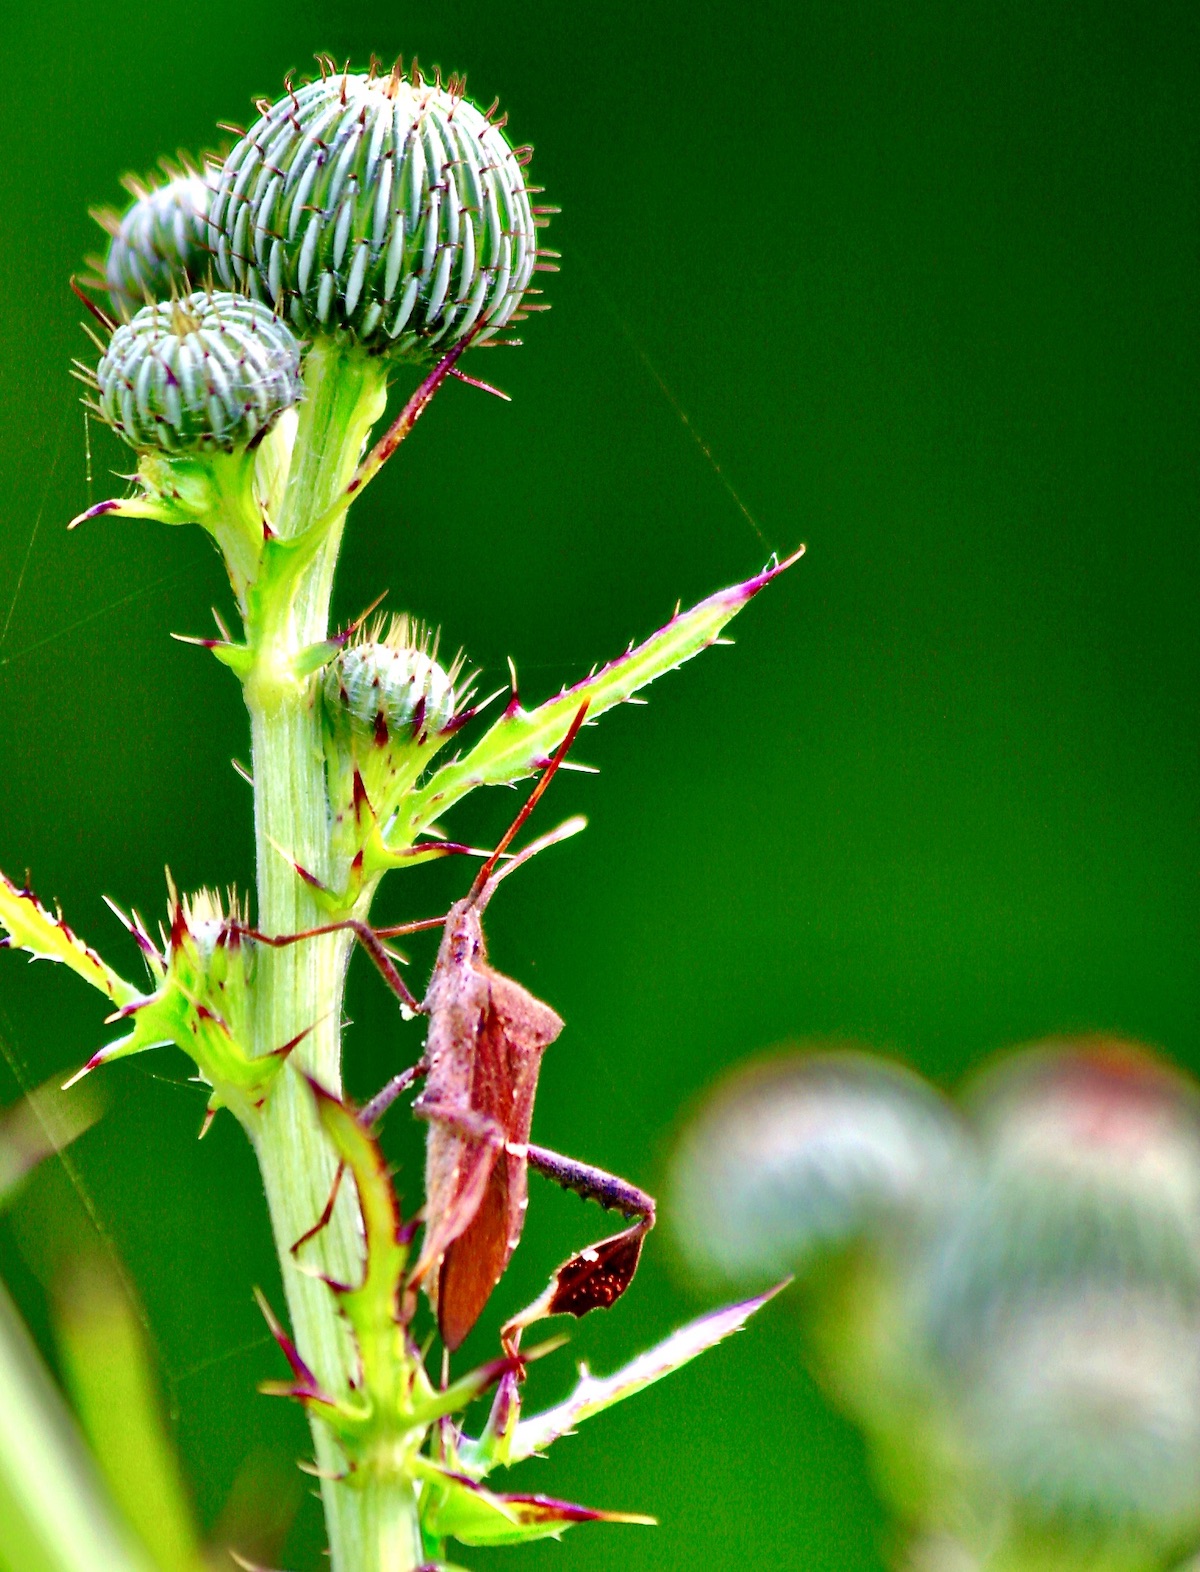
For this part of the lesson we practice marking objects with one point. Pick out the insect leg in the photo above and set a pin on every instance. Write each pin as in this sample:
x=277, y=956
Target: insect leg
x=326, y=1212
x=470, y=1122
x=371, y=1113
x=594, y=1184
x=598, y=1276
x=371, y=942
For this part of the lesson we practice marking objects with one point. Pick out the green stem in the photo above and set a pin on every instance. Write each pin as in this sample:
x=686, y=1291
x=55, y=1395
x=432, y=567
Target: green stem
x=298, y=989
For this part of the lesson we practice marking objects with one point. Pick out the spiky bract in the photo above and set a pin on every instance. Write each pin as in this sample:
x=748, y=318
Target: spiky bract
x=158, y=248
x=209, y=372
x=386, y=207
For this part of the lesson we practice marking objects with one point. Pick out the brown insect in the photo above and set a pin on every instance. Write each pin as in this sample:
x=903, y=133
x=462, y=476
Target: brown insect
x=482, y=1058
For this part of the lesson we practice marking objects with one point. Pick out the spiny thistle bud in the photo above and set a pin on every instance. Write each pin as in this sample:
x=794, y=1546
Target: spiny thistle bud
x=1064, y=1305
x=159, y=246
x=389, y=208
x=1084, y=1409
x=391, y=689
x=201, y=1003
x=807, y=1154
x=211, y=372
x=1091, y=1173
x=385, y=699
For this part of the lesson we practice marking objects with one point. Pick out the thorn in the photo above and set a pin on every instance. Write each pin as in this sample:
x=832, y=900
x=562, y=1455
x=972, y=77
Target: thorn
x=299, y=1369
x=292, y=1043
x=298, y=868
x=95, y=512
x=485, y=387
x=316, y=1473
x=240, y=769
x=135, y=929
x=353, y=627
x=189, y=638
x=101, y=316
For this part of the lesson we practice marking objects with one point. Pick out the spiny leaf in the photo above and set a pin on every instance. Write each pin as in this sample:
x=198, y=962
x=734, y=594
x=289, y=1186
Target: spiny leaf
x=453, y=1506
x=31, y=927
x=373, y=1307
x=593, y=1394
x=522, y=740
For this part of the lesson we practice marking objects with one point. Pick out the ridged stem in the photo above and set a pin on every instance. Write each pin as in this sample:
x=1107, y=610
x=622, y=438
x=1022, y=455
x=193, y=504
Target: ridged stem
x=298, y=989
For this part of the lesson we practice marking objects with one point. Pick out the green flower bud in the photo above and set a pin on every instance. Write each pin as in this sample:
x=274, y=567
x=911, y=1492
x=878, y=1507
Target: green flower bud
x=803, y=1157
x=389, y=692
x=208, y=373
x=1083, y=1408
x=386, y=207
x=1090, y=1174
x=387, y=703
x=159, y=245
x=1063, y=1306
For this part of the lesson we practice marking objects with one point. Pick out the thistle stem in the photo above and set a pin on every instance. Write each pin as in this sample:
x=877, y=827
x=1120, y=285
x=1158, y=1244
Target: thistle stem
x=299, y=988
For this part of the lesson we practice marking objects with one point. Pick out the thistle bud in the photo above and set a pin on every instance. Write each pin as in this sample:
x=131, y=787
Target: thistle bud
x=1084, y=1411
x=1090, y=1174
x=385, y=699
x=208, y=373
x=387, y=208
x=159, y=246
x=1064, y=1305
x=807, y=1155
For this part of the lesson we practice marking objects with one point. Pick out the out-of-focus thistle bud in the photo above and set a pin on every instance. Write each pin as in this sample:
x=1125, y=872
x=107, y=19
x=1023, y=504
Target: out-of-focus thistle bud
x=1084, y=1410
x=158, y=247
x=208, y=373
x=809, y=1154
x=1091, y=1173
x=1064, y=1306
x=388, y=704
x=386, y=208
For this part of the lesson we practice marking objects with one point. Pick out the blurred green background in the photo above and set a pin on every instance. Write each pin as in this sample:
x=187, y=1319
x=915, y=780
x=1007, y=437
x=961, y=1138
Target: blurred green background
x=924, y=278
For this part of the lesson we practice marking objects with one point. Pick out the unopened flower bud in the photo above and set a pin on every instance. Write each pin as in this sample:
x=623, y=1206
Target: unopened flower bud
x=387, y=208
x=1090, y=1173
x=159, y=246
x=1063, y=1308
x=1084, y=1412
x=211, y=372
x=384, y=699
x=805, y=1155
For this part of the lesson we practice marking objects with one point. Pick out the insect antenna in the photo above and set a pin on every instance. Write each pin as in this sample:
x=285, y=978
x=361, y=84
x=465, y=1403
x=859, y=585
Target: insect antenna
x=487, y=878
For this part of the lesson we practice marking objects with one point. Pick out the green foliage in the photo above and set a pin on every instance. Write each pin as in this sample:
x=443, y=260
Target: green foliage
x=386, y=218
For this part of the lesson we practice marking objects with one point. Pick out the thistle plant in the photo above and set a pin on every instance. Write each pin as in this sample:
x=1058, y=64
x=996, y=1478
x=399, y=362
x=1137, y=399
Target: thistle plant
x=368, y=230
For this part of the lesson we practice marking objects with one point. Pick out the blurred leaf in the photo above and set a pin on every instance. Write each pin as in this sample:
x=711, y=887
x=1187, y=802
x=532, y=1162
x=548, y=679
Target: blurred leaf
x=43, y=1122
x=260, y=1508
x=111, y=1378
x=53, y=1513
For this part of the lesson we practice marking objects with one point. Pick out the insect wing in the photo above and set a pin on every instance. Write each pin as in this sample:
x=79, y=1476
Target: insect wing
x=516, y=1030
